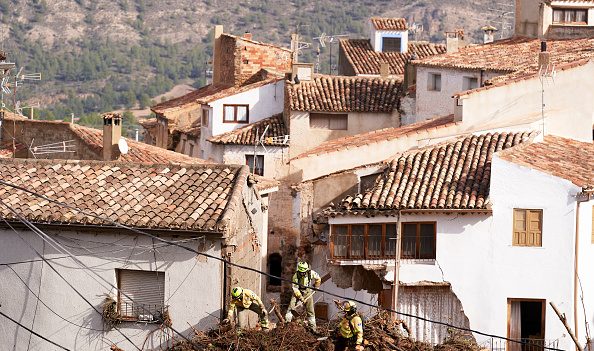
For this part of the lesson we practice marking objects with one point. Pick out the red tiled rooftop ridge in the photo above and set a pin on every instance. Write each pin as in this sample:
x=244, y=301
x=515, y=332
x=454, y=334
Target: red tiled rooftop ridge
x=180, y=197
x=375, y=136
x=364, y=60
x=250, y=134
x=561, y=157
x=385, y=23
x=452, y=175
x=514, y=58
x=344, y=94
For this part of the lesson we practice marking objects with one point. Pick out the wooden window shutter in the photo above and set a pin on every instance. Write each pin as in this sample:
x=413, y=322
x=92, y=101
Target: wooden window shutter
x=519, y=232
x=534, y=223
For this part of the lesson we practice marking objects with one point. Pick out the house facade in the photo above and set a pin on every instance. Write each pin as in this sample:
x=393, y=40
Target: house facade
x=561, y=19
x=474, y=227
x=213, y=209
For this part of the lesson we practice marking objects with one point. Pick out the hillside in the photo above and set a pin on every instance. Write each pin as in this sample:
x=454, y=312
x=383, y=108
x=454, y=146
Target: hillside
x=103, y=55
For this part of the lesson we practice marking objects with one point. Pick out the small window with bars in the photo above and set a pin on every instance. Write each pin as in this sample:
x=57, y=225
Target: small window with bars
x=141, y=295
x=391, y=44
x=527, y=227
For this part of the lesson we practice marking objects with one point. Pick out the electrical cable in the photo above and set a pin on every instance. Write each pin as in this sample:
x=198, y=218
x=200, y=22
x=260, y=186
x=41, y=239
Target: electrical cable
x=38, y=299
x=109, y=220
x=62, y=277
x=49, y=240
x=32, y=332
x=49, y=308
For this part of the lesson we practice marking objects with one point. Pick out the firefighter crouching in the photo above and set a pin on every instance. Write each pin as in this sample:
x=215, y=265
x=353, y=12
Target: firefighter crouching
x=303, y=279
x=244, y=299
x=350, y=329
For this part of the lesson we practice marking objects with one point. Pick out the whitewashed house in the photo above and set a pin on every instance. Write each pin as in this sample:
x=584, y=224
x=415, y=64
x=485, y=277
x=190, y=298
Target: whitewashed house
x=484, y=232
x=214, y=209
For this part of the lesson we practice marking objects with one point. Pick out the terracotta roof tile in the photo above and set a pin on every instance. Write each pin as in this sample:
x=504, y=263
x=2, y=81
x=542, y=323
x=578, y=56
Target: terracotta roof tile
x=452, y=175
x=515, y=58
x=364, y=60
x=249, y=134
x=383, y=23
x=111, y=197
x=564, y=158
x=375, y=136
x=344, y=94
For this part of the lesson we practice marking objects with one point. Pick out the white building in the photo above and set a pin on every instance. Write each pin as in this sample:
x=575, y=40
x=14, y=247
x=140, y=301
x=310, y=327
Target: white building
x=213, y=209
x=484, y=233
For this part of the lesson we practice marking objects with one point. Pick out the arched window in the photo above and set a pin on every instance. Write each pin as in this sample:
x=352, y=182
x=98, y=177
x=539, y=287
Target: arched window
x=275, y=267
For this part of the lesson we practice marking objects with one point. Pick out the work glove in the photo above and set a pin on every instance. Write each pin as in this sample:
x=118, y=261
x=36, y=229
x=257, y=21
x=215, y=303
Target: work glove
x=359, y=348
x=265, y=312
x=301, y=298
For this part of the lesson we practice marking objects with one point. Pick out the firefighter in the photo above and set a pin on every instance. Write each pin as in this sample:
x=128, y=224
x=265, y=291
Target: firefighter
x=350, y=329
x=303, y=279
x=244, y=299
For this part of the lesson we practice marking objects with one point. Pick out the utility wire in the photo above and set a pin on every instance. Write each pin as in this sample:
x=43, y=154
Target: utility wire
x=61, y=276
x=32, y=332
x=38, y=299
x=109, y=220
x=48, y=239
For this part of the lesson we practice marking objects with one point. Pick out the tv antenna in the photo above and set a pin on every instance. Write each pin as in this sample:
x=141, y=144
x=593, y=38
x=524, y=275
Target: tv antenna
x=330, y=39
x=262, y=140
x=62, y=146
x=414, y=29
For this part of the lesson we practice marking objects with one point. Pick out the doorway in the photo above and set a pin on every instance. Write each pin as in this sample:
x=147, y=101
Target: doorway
x=526, y=323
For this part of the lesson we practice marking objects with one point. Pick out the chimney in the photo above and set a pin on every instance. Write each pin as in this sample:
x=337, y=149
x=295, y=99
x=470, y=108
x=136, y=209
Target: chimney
x=217, y=53
x=112, y=132
x=544, y=57
x=489, y=34
x=295, y=47
x=247, y=35
x=384, y=70
x=453, y=40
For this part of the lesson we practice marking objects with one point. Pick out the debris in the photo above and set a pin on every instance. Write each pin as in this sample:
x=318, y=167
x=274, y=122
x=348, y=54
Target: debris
x=110, y=312
x=381, y=333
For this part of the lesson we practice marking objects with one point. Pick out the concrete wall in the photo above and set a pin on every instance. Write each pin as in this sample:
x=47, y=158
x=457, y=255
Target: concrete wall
x=430, y=103
x=527, y=17
x=188, y=145
x=569, y=103
x=304, y=138
x=185, y=275
x=486, y=269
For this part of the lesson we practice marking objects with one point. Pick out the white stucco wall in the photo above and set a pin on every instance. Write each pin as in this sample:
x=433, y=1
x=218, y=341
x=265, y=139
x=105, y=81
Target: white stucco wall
x=474, y=253
x=440, y=103
x=263, y=102
x=377, y=35
x=569, y=103
x=274, y=158
x=185, y=275
x=585, y=264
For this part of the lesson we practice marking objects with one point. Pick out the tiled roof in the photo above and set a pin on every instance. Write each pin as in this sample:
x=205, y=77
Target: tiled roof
x=344, y=94
x=375, y=136
x=382, y=23
x=249, y=134
x=365, y=60
x=182, y=197
x=452, y=175
x=138, y=152
x=514, y=58
x=210, y=93
x=564, y=158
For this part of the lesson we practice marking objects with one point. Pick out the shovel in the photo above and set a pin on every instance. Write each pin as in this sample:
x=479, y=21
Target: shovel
x=300, y=303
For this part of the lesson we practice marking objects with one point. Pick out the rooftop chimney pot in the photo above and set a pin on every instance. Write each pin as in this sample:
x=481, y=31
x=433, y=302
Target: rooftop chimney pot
x=247, y=35
x=543, y=46
x=112, y=132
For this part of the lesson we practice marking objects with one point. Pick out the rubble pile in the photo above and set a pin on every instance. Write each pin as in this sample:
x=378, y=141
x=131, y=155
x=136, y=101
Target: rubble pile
x=380, y=334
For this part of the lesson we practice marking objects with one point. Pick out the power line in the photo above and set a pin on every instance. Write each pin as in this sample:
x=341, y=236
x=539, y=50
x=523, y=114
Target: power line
x=32, y=332
x=109, y=220
x=58, y=273
x=47, y=239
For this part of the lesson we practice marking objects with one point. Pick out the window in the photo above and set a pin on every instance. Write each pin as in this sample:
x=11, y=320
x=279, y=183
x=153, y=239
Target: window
x=571, y=16
x=141, y=294
x=204, y=117
x=391, y=44
x=275, y=268
x=258, y=167
x=378, y=240
x=434, y=82
x=191, y=149
x=236, y=113
x=527, y=227
x=469, y=83
x=328, y=121
x=418, y=240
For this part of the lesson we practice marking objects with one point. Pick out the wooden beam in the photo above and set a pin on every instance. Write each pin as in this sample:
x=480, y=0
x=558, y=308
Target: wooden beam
x=564, y=321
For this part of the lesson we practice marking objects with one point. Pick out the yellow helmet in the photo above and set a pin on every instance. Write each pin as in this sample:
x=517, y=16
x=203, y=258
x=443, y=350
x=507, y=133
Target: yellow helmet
x=302, y=267
x=349, y=307
x=236, y=292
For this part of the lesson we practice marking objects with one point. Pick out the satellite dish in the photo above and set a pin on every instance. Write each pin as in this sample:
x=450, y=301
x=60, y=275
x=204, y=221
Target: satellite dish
x=123, y=146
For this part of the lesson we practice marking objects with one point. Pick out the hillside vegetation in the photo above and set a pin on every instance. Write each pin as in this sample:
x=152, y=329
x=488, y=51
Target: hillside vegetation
x=101, y=55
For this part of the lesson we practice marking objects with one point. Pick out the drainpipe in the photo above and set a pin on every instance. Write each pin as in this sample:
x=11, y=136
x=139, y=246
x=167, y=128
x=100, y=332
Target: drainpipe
x=396, y=282
x=575, y=267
